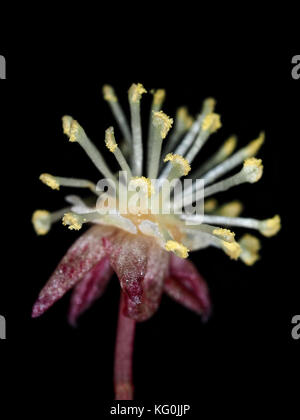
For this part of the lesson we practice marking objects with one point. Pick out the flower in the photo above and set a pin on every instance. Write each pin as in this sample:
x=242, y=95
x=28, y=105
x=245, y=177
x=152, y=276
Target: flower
x=146, y=246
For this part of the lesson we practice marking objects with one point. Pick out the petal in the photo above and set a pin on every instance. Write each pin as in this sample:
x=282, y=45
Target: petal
x=153, y=283
x=185, y=272
x=90, y=288
x=127, y=255
x=182, y=295
x=141, y=265
x=79, y=259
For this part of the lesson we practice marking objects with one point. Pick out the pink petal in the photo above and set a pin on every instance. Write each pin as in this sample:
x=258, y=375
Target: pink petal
x=79, y=259
x=123, y=355
x=141, y=266
x=153, y=283
x=188, y=276
x=90, y=288
x=182, y=295
x=128, y=257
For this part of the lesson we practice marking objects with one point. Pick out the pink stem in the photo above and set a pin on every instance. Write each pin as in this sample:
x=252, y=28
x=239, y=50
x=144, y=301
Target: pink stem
x=123, y=355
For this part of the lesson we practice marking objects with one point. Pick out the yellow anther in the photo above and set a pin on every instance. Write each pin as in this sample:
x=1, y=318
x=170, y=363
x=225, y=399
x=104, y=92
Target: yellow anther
x=271, y=226
x=232, y=209
x=72, y=221
x=210, y=205
x=250, y=246
x=41, y=221
x=143, y=183
x=209, y=105
x=50, y=180
x=178, y=249
x=211, y=122
x=232, y=249
x=74, y=131
x=135, y=92
x=110, y=140
x=67, y=122
x=254, y=146
x=224, y=234
x=179, y=162
x=159, y=97
x=253, y=169
x=109, y=93
x=162, y=122
x=229, y=145
x=184, y=118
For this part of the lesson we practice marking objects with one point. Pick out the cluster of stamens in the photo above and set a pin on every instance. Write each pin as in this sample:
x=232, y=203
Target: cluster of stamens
x=168, y=160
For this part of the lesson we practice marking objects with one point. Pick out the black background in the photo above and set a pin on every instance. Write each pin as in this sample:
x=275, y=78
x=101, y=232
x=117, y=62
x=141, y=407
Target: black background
x=245, y=352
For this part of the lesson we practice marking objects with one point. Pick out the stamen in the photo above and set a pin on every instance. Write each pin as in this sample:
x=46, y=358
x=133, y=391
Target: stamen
x=210, y=124
x=112, y=146
x=162, y=124
x=224, y=234
x=55, y=182
x=231, y=209
x=268, y=227
x=219, y=233
x=251, y=172
x=134, y=95
x=180, y=166
x=210, y=205
x=144, y=183
x=246, y=152
x=178, y=249
x=50, y=181
x=250, y=246
x=158, y=99
x=224, y=151
x=181, y=149
x=76, y=133
x=73, y=221
x=233, y=249
x=183, y=122
x=42, y=220
x=111, y=98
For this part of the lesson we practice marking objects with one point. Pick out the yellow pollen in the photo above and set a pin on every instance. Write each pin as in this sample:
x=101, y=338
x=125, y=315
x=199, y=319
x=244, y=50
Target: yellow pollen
x=74, y=131
x=211, y=122
x=253, y=168
x=41, y=221
x=144, y=183
x=233, y=249
x=67, y=121
x=250, y=246
x=271, y=226
x=135, y=92
x=232, y=209
x=71, y=220
x=254, y=146
x=110, y=140
x=210, y=104
x=178, y=249
x=109, y=93
x=163, y=122
x=179, y=162
x=159, y=96
x=229, y=145
x=224, y=234
x=186, y=119
x=210, y=205
x=50, y=181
